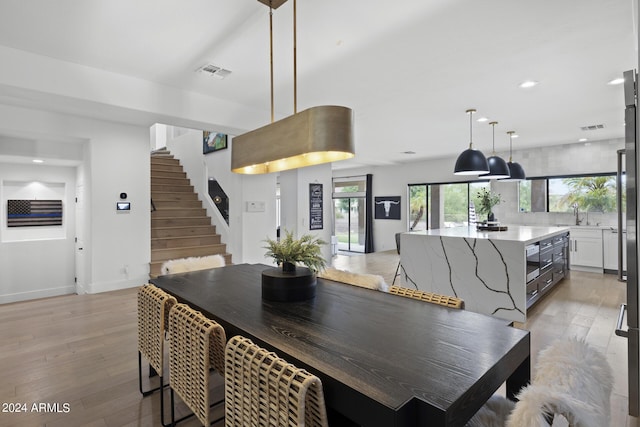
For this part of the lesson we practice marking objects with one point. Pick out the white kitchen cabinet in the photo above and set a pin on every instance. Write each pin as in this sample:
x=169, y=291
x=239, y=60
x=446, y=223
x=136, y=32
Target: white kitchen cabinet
x=610, y=249
x=585, y=248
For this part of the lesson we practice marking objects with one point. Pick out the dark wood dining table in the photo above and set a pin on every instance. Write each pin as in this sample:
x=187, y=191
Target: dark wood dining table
x=384, y=360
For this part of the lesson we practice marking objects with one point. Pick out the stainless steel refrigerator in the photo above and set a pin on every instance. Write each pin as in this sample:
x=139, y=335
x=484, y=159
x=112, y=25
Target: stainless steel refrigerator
x=628, y=165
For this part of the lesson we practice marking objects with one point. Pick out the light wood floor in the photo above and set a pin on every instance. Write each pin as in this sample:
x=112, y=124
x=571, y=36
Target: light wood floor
x=81, y=349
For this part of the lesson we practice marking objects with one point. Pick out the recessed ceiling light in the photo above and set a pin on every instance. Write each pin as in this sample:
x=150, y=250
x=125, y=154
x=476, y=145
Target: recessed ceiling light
x=37, y=161
x=483, y=119
x=617, y=81
x=583, y=140
x=528, y=84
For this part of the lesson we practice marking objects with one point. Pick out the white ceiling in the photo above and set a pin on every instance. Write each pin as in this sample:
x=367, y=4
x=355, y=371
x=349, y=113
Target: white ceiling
x=409, y=69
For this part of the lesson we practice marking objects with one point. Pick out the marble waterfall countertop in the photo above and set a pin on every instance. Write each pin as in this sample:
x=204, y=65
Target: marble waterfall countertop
x=487, y=269
x=517, y=233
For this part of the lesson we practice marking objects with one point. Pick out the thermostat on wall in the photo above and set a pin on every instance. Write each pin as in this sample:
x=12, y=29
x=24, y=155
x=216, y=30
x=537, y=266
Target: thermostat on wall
x=123, y=206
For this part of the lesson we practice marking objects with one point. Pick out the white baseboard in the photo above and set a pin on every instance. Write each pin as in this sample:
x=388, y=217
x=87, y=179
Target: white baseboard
x=587, y=269
x=40, y=293
x=97, y=287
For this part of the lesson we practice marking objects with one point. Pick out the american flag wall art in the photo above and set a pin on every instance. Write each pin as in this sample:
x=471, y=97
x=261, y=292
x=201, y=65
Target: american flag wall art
x=30, y=213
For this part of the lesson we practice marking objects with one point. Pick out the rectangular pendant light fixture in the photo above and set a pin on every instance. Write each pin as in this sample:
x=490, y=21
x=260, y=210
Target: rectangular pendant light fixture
x=317, y=135
x=274, y=4
x=314, y=136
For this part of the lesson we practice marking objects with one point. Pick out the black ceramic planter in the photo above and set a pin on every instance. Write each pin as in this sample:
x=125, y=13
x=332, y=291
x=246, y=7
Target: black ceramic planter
x=278, y=285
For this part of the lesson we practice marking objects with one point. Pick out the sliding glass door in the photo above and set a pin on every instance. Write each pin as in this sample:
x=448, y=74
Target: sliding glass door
x=443, y=205
x=349, y=223
x=349, y=209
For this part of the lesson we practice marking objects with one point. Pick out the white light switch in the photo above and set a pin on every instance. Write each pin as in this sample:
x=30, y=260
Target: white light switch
x=255, y=206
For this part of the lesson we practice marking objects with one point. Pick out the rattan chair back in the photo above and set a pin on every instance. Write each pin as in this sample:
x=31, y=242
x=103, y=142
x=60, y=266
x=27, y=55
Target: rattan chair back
x=447, y=301
x=196, y=344
x=262, y=389
x=153, y=311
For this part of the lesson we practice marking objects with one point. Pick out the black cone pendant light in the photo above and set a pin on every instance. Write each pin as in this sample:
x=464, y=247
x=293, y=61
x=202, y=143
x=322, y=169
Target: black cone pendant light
x=470, y=161
x=498, y=168
x=517, y=172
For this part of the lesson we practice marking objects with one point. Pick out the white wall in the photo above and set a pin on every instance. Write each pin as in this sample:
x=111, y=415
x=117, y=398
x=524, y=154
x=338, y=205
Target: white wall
x=556, y=160
x=294, y=197
x=115, y=160
x=121, y=242
x=37, y=262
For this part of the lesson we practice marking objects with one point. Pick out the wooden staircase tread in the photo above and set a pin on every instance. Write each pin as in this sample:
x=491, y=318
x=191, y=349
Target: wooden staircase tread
x=173, y=227
x=167, y=193
x=189, y=236
x=213, y=245
x=179, y=217
x=178, y=208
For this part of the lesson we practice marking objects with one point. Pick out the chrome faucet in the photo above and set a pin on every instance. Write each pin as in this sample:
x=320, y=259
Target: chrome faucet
x=576, y=212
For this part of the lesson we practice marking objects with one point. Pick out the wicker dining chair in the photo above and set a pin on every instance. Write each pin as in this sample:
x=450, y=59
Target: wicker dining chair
x=196, y=344
x=445, y=300
x=262, y=389
x=153, y=312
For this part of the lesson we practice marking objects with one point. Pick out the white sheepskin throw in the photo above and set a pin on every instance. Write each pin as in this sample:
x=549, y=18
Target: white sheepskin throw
x=572, y=379
x=182, y=265
x=369, y=281
x=493, y=414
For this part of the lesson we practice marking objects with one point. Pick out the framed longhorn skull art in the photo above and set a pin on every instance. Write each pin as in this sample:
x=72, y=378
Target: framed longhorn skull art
x=387, y=207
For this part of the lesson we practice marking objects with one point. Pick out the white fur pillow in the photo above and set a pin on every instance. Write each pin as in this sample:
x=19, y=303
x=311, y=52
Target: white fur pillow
x=572, y=379
x=369, y=281
x=182, y=265
x=493, y=413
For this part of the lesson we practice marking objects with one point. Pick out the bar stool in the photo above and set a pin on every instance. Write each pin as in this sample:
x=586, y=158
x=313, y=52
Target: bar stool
x=196, y=344
x=153, y=311
x=447, y=301
x=262, y=389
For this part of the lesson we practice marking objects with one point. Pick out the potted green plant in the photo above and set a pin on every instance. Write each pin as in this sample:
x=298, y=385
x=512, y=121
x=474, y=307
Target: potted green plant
x=486, y=201
x=287, y=282
x=289, y=252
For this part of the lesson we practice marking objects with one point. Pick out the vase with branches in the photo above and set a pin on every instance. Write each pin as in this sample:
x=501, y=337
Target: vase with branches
x=487, y=200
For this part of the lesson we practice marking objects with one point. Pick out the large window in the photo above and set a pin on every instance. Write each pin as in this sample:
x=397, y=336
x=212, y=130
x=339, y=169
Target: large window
x=587, y=193
x=443, y=205
x=418, y=207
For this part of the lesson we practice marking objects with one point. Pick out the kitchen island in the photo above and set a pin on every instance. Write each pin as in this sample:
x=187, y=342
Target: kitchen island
x=500, y=273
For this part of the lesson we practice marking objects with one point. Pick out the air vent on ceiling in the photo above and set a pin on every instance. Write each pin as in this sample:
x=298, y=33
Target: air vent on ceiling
x=592, y=127
x=214, y=70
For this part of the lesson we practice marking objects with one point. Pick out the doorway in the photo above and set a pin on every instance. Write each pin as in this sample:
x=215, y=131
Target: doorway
x=349, y=213
x=349, y=223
